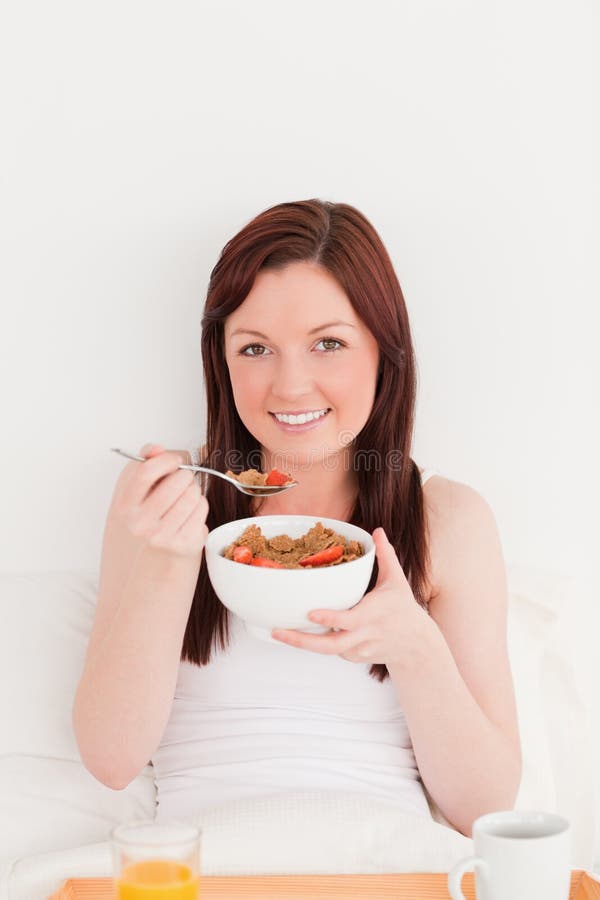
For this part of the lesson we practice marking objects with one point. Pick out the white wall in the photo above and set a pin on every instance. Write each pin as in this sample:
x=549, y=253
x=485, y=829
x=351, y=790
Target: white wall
x=140, y=136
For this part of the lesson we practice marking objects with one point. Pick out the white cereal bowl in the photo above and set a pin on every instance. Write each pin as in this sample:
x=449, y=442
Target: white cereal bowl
x=281, y=598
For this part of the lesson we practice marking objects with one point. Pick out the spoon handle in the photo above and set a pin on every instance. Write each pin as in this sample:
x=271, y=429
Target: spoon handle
x=128, y=455
x=182, y=466
x=208, y=471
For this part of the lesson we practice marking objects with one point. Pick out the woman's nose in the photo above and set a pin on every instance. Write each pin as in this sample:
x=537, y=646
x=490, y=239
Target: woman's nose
x=291, y=380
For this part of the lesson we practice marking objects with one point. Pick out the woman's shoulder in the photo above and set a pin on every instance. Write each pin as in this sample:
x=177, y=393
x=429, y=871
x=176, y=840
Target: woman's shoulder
x=445, y=497
x=455, y=514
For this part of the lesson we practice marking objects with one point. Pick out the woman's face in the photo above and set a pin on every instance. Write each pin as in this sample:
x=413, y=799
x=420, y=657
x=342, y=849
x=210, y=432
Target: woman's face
x=285, y=355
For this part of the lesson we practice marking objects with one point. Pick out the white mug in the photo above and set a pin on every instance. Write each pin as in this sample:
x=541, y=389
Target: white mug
x=519, y=855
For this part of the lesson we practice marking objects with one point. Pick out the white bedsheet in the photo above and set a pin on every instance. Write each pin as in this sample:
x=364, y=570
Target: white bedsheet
x=295, y=833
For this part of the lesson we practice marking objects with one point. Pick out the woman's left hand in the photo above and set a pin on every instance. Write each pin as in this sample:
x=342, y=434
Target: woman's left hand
x=385, y=626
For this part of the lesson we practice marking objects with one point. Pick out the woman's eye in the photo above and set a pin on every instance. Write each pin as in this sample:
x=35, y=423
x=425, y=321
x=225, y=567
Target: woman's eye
x=331, y=341
x=252, y=347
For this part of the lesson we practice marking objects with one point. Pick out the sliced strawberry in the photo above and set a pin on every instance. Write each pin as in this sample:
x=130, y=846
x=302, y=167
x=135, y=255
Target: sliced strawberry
x=242, y=554
x=323, y=556
x=277, y=477
x=266, y=563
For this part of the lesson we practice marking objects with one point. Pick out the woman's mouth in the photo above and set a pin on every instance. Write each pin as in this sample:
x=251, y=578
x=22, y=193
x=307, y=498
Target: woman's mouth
x=294, y=427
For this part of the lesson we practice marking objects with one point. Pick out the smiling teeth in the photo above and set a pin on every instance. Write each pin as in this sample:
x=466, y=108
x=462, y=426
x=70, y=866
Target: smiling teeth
x=301, y=419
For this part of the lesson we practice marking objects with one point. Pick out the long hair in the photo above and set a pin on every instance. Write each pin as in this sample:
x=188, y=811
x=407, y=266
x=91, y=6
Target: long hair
x=341, y=240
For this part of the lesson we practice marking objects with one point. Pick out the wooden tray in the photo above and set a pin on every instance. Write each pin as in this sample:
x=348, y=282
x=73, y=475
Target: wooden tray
x=420, y=886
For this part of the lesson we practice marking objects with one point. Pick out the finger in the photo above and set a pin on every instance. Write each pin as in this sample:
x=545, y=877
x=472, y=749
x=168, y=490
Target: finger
x=389, y=568
x=166, y=493
x=151, y=450
x=178, y=514
x=195, y=524
x=345, y=619
x=331, y=643
x=148, y=475
x=185, y=538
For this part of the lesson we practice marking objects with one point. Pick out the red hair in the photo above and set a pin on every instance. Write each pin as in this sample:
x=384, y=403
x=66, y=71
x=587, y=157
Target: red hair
x=339, y=238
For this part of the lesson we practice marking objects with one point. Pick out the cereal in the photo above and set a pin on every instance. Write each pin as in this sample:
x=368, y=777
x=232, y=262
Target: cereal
x=254, y=478
x=320, y=547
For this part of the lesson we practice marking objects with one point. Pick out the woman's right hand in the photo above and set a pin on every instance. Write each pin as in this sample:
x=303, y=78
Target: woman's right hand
x=163, y=505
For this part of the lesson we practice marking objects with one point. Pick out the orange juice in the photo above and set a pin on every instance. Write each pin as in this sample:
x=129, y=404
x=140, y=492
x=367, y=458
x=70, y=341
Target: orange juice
x=158, y=879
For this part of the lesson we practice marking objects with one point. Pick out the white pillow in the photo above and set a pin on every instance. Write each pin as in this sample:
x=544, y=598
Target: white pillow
x=530, y=626
x=55, y=804
x=49, y=800
x=551, y=643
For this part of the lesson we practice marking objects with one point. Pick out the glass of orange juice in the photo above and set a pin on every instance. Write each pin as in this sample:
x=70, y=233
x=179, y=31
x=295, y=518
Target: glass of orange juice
x=156, y=860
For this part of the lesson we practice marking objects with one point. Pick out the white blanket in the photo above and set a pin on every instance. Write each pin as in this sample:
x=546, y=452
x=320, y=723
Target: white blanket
x=293, y=833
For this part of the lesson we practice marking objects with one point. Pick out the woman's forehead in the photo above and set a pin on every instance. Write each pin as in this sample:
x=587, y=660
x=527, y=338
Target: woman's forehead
x=301, y=293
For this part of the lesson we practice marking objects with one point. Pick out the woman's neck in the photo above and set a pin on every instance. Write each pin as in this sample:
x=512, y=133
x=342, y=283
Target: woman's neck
x=268, y=507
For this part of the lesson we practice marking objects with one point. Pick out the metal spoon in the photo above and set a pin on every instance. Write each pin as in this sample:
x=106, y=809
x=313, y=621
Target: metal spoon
x=252, y=490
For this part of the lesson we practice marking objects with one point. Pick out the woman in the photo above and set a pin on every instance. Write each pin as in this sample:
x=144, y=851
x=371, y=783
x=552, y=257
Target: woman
x=304, y=314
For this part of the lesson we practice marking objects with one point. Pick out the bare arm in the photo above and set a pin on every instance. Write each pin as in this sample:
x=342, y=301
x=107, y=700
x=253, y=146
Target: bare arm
x=151, y=557
x=126, y=690
x=456, y=691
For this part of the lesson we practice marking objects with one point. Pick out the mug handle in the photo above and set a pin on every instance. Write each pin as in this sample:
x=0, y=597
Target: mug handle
x=456, y=873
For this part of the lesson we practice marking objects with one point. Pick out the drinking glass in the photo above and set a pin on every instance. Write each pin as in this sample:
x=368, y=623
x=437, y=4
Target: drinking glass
x=156, y=861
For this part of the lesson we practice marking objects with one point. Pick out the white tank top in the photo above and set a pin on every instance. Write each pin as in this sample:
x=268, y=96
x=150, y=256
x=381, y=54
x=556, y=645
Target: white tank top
x=264, y=718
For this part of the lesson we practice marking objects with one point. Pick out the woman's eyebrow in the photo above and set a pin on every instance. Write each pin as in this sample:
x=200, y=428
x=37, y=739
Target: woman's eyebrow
x=312, y=331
